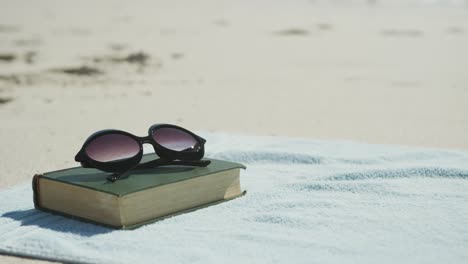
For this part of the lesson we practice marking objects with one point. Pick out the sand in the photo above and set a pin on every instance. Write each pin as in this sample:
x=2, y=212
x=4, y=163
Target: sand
x=378, y=74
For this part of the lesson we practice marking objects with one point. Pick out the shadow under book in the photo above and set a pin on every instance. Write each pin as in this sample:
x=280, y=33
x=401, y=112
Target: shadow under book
x=144, y=197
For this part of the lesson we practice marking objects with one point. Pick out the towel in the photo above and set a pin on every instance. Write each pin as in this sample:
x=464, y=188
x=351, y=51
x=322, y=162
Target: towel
x=308, y=201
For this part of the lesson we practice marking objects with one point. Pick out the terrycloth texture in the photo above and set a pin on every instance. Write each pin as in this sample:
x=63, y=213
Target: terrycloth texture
x=307, y=202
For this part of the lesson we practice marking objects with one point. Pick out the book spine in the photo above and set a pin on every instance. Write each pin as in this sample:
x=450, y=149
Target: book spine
x=35, y=187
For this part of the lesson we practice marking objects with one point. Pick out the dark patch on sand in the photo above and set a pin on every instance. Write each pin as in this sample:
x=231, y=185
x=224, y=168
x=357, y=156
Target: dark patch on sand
x=177, y=55
x=455, y=30
x=117, y=47
x=80, y=71
x=402, y=33
x=325, y=26
x=7, y=57
x=293, y=32
x=9, y=28
x=10, y=79
x=30, y=57
x=5, y=100
x=18, y=79
x=136, y=58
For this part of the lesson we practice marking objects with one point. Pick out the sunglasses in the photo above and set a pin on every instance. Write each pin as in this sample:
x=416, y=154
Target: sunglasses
x=119, y=152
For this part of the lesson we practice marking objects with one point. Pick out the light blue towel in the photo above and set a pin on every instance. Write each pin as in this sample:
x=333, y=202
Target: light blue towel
x=307, y=202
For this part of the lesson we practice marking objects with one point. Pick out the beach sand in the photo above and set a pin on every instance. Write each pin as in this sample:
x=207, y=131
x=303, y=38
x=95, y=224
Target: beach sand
x=392, y=75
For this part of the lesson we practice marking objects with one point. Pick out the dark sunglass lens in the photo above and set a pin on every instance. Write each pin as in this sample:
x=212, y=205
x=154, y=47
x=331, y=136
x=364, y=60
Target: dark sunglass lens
x=112, y=147
x=175, y=139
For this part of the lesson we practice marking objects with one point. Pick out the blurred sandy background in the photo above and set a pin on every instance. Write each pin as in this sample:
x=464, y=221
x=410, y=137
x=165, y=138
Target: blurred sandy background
x=392, y=72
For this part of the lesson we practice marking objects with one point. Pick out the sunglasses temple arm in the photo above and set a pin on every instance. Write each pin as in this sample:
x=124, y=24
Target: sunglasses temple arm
x=123, y=174
x=163, y=162
x=119, y=175
x=202, y=139
x=156, y=163
x=197, y=163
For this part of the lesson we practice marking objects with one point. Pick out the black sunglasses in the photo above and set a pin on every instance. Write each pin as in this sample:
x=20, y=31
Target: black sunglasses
x=118, y=152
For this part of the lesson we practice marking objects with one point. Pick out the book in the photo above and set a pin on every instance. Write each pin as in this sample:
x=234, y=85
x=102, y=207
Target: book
x=144, y=197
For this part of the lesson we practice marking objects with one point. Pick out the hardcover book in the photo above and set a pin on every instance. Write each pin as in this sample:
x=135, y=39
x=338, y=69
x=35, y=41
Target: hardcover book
x=143, y=197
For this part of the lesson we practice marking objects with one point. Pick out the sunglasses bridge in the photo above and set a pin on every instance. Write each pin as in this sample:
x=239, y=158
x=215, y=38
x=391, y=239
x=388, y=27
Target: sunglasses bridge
x=146, y=140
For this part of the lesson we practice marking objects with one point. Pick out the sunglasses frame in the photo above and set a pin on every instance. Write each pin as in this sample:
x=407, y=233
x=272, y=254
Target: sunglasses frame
x=126, y=164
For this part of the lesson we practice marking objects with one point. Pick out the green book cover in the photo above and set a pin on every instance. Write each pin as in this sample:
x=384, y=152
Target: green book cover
x=138, y=180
